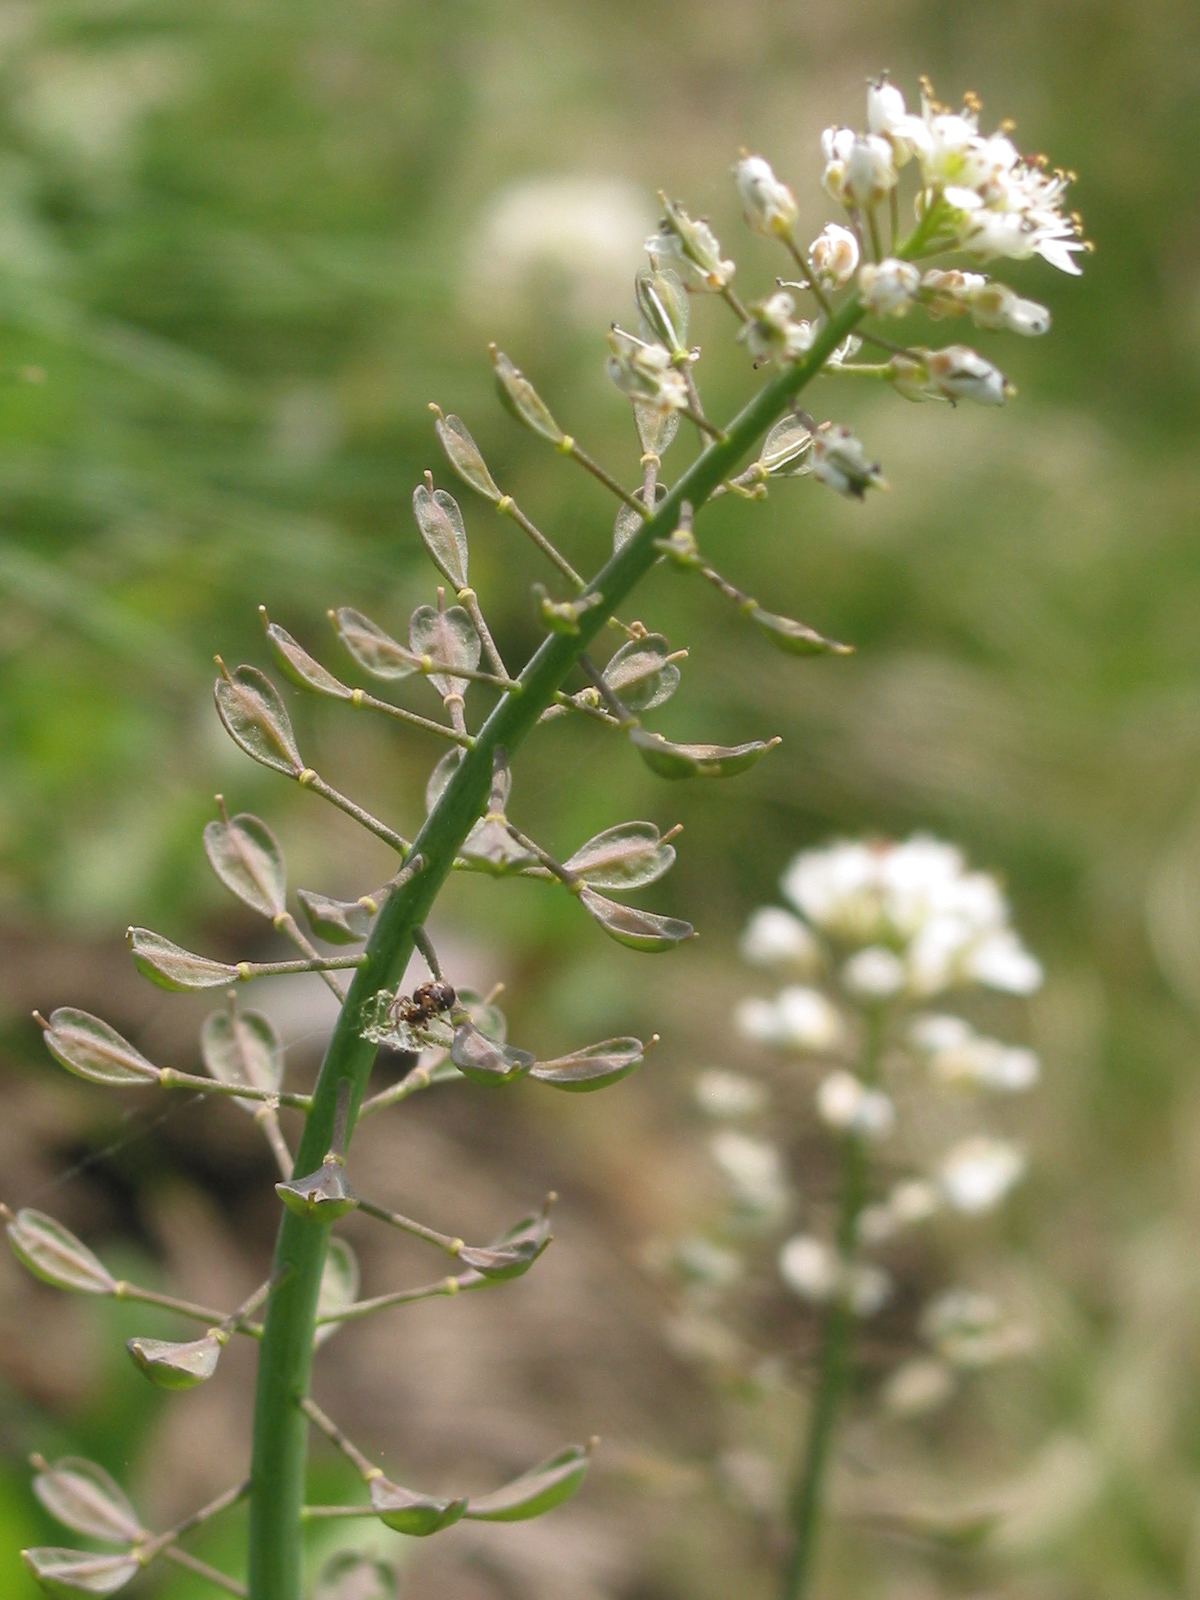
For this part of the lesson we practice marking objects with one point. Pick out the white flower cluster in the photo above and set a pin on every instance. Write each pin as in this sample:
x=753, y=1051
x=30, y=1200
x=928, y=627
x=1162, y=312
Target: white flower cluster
x=975, y=194
x=998, y=203
x=944, y=925
x=876, y=930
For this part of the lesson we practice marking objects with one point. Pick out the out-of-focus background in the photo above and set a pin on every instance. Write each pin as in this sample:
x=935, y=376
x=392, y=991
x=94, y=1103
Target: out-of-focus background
x=242, y=245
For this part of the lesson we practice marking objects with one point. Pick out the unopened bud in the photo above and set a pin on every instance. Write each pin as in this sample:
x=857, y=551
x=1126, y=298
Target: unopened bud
x=769, y=205
x=833, y=255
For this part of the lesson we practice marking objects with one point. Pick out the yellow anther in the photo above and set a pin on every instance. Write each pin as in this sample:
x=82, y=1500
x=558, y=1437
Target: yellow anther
x=566, y=444
x=243, y=970
x=356, y=699
x=306, y=778
x=504, y=505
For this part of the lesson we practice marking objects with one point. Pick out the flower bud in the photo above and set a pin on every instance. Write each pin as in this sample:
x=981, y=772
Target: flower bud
x=859, y=168
x=769, y=205
x=889, y=288
x=959, y=373
x=948, y=293
x=645, y=373
x=840, y=462
x=834, y=256
x=995, y=305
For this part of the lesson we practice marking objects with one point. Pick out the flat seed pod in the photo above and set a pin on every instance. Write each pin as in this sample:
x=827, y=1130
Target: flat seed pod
x=447, y=766
x=83, y=1497
x=464, y=456
x=71, y=1572
x=656, y=429
x=624, y=857
x=91, y=1049
x=519, y=396
x=489, y=1019
x=171, y=967
x=663, y=302
x=340, y=1278
x=256, y=719
x=375, y=651
x=491, y=848
x=325, y=1193
x=350, y=1575
x=53, y=1253
x=640, y=930
x=483, y=1061
x=417, y=1515
x=447, y=636
x=629, y=519
x=593, y=1068
x=298, y=666
x=441, y=526
x=541, y=1489
x=696, y=760
x=335, y=921
x=241, y=1047
x=640, y=675
x=175, y=1366
x=245, y=855
x=788, y=442
x=795, y=638
x=512, y=1255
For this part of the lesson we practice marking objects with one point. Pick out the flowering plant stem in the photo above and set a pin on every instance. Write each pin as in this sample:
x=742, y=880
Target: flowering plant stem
x=837, y=1351
x=280, y=1426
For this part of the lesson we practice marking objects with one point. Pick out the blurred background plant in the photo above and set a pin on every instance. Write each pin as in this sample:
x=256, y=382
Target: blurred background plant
x=242, y=245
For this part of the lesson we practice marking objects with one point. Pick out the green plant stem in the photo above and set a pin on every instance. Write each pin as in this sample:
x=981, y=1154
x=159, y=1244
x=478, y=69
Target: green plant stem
x=280, y=1427
x=836, y=1365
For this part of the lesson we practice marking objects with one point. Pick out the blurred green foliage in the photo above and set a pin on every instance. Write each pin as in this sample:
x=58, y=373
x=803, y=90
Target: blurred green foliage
x=242, y=244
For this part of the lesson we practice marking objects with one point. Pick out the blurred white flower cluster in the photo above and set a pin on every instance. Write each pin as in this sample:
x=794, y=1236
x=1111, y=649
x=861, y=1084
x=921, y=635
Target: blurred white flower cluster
x=875, y=932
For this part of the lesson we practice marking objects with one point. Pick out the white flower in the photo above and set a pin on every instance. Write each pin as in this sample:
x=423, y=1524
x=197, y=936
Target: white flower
x=806, y=1020
x=1001, y=962
x=769, y=205
x=957, y=1054
x=919, y=1386
x=845, y=1103
x=755, y=1173
x=684, y=241
x=959, y=373
x=867, y=1288
x=774, y=937
x=757, y=1019
x=645, y=372
x=874, y=974
x=729, y=1094
x=772, y=335
x=888, y=116
x=833, y=255
x=840, y=462
x=889, y=287
x=876, y=1224
x=965, y=1328
x=913, y=1201
x=810, y=1268
x=977, y=1173
x=838, y=889
x=934, y=1031
x=859, y=168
